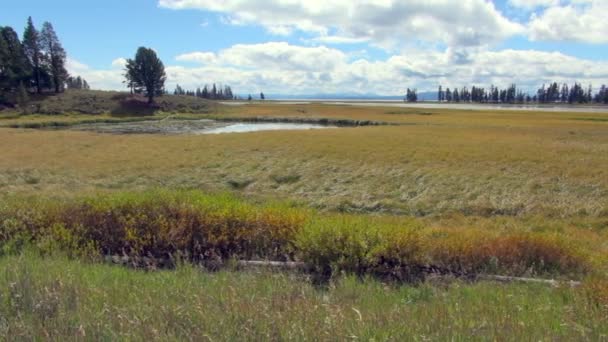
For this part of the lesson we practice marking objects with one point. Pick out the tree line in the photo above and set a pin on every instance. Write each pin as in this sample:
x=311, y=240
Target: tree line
x=34, y=64
x=211, y=93
x=553, y=93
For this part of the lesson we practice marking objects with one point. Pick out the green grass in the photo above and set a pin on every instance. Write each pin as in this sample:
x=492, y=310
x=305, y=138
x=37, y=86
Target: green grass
x=55, y=299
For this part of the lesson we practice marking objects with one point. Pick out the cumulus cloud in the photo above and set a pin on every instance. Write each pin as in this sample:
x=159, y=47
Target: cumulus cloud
x=285, y=68
x=578, y=20
x=272, y=55
x=382, y=22
x=282, y=68
x=104, y=79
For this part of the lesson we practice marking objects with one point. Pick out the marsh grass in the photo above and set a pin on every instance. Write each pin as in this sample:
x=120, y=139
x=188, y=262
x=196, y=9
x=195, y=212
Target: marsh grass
x=206, y=228
x=57, y=299
x=471, y=162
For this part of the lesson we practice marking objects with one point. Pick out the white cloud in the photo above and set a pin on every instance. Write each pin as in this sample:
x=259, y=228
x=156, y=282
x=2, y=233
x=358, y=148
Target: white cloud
x=580, y=20
x=382, y=22
x=272, y=55
x=198, y=57
x=119, y=62
x=278, y=67
x=284, y=68
x=104, y=79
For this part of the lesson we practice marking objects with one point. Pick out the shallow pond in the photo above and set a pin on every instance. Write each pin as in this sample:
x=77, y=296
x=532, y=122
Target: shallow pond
x=255, y=127
x=193, y=127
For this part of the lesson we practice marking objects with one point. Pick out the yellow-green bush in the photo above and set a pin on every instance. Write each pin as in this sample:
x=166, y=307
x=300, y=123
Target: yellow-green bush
x=160, y=224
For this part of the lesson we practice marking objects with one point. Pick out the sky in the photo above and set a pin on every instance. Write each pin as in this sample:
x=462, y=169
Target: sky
x=331, y=46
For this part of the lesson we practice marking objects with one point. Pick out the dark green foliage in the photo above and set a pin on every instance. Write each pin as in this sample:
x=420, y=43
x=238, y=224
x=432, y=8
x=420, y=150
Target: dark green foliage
x=15, y=67
x=77, y=83
x=33, y=52
x=222, y=94
x=411, y=95
x=146, y=74
x=553, y=93
x=55, y=56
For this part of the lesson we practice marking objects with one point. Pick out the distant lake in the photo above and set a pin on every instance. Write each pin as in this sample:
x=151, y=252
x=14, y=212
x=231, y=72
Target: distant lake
x=436, y=105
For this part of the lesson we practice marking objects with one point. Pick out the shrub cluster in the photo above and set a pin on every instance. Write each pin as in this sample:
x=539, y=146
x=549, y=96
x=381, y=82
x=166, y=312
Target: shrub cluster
x=408, y=251
x=160, y=224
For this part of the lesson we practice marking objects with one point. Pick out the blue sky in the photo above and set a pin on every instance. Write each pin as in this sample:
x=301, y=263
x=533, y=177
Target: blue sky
x=346, y=46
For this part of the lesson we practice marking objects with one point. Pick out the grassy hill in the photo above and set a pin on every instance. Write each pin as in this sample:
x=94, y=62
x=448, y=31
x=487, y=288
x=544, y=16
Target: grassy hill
x=110, y=102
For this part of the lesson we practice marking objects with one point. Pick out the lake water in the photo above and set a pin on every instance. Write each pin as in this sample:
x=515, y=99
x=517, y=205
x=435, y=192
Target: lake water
x=431, y=105
x=257, y=127
x=192, y=127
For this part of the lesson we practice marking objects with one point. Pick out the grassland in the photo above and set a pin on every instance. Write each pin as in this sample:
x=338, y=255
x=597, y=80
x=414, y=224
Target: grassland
x=53, y=298
x=467, y=162
x=514, y=193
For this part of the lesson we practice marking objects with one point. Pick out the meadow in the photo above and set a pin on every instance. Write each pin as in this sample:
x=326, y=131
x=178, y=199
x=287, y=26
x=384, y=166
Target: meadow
x=370, y=210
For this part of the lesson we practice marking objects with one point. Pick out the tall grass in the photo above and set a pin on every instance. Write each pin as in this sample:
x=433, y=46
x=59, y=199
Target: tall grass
x=56, y=299
x=205, y=228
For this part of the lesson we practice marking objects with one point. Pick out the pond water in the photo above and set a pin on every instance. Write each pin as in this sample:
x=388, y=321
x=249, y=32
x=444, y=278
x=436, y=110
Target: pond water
x=256, y=127
x=192, y=127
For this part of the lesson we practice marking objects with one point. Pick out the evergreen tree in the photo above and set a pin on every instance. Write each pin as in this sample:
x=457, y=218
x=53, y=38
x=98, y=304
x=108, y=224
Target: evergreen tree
x=31, y=46
x=4, y=66
x=16, y=67
x=146, y=73
x=440, y=94
x=249, y=98
x=411, y=95
x=262, y=97
x=56, y=55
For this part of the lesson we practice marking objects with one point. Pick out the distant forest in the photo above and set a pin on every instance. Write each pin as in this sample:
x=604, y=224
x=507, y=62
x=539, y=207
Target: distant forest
x=554, y=93
x=213, y=93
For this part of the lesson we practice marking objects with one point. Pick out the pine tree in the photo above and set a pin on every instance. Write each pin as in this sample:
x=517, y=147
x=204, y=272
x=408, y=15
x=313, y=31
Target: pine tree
x=56, y=55
x=262, y=97
x=31, y=45
x=440, y=94
x=146, y=73
x=17, y=68
x=4, y=68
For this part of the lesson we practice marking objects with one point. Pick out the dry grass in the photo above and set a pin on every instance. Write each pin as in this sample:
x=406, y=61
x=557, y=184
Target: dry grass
x=475, y=163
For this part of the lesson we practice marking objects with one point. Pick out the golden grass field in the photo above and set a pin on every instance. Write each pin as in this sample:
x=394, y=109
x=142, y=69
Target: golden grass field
x=499, y=192
x=475, y=163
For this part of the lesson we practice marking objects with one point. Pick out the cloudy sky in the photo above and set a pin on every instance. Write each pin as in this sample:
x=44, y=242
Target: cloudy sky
x=332, y=46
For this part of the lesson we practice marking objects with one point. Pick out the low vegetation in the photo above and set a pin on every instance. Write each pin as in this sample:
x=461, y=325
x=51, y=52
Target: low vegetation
x=375, y=213
x=58, y=299
x=212, y=229
x=114, y=103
